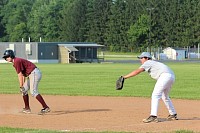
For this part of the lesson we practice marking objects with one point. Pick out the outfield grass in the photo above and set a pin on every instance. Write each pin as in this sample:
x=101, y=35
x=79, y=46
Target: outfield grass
x=99, y=80
x=118, y=56
x=21, y=130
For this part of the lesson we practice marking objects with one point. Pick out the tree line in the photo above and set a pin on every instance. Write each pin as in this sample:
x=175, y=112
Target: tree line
x=120, y=25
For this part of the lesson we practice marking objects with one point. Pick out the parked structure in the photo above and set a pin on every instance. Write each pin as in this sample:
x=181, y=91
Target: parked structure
x=175, y=54
x=53, y=52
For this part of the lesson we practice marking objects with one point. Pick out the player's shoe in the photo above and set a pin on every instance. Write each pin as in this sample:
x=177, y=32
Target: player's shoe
x=172, y=117
x=45, y=110
x=151, y=119
x=26, y=111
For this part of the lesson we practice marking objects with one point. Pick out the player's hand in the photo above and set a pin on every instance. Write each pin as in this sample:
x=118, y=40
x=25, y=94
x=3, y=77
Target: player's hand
x=22, y=90
x=120, y=83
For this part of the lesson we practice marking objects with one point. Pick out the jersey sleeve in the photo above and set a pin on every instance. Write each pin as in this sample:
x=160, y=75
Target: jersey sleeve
x=18, y=66
x=146, y=66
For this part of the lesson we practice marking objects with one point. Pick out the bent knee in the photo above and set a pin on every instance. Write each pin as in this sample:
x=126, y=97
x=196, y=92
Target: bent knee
x=25, y=93
x=34, y=93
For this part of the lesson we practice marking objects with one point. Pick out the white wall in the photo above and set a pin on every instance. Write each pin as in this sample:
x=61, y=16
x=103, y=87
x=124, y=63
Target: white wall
x=180, y=54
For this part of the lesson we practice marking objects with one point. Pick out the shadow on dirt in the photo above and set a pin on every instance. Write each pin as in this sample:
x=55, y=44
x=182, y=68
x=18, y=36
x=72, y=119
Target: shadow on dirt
x=179, y=119
x=61, y=112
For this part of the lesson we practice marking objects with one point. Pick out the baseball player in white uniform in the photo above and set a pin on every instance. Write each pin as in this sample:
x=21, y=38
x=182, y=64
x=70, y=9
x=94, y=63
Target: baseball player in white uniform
x=165, y=78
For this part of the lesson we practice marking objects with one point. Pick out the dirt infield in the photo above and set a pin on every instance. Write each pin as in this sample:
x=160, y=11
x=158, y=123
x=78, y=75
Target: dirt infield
x=79, y=113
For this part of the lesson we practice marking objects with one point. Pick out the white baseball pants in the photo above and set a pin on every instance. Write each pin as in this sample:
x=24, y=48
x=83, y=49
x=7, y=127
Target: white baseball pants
x=32, y=82
x=161, y=90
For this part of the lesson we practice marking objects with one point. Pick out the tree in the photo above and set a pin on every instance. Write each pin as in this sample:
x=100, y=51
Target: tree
x=16, y=18
x=97, y=20
x=72, y=21
x=113, y=23
x=43, y=20
x=2, y=26
x=138, y=33
x=117, y=27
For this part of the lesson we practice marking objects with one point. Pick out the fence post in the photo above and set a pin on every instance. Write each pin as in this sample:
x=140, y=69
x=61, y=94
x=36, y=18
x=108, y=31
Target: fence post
x=198, y=50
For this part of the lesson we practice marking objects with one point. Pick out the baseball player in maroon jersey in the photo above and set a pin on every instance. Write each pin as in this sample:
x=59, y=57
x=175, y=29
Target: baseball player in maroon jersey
x=165, y=78
x=29, y=77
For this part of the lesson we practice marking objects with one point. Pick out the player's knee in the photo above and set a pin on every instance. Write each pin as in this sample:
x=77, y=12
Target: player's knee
x=34, y=93
x=165, y=98
x=24, y=93
x=156, y=95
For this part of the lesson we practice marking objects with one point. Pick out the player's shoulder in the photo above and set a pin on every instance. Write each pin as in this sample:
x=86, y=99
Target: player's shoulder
x=153, y=63
x=149, y=62
x=17, y=59
x=20, y=60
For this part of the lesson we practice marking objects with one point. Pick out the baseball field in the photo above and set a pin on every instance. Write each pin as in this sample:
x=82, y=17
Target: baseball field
x=83, y=98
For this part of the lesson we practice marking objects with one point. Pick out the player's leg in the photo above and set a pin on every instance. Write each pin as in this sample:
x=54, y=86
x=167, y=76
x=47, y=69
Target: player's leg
x=35, y=78
x=25, y=95
x=168, y=102
x=166, y=99
x=156, y=96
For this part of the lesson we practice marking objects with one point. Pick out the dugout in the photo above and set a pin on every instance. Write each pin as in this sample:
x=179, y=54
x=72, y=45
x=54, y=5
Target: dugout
x=78, y=53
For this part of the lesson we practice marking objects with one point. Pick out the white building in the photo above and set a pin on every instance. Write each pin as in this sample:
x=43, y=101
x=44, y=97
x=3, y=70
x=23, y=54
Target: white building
x=175, y=54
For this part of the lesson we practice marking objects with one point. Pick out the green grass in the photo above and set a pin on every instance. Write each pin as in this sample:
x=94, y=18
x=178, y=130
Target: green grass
x=21, y=130
x=99, y=80
x=121, y=53
x=118, y=56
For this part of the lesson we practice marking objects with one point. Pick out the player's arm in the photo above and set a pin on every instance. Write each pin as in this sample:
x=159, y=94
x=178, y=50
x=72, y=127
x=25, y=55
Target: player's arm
x=134, y=73
x=21, y=79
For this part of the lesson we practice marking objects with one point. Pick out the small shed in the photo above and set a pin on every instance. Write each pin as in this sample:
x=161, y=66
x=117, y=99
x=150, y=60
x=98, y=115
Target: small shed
x=78, y=52
x=175, y=54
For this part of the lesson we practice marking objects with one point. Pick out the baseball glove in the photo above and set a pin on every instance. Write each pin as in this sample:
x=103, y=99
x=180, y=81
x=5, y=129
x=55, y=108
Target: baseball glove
x=22, y=90
x=120, y=83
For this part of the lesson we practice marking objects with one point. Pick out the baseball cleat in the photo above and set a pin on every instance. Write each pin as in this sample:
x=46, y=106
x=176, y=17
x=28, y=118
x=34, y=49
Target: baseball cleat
x=172, y=117
x=26, y=111
x=151, y=119
x=44, y=111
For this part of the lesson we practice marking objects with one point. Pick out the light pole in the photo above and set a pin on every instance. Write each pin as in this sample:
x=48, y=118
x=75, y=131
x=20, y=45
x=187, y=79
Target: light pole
x=150, y=11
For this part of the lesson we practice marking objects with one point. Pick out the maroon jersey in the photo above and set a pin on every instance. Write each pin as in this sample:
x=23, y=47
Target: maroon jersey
x=23, y=66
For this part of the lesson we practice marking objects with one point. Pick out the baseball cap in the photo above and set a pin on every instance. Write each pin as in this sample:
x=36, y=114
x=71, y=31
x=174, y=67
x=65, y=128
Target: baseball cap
x=145, y=54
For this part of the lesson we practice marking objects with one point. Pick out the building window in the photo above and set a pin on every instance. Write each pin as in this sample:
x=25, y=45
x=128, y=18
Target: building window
x=12, y=47
x=28, y=49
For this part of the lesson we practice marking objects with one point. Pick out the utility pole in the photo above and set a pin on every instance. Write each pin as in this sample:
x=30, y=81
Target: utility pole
x=198, y=51
x=150, y=12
